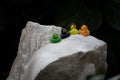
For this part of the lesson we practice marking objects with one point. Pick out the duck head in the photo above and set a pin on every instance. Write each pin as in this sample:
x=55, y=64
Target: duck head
x=63, y=31
x=84, y=27
x=55, y=35
x=73, y=26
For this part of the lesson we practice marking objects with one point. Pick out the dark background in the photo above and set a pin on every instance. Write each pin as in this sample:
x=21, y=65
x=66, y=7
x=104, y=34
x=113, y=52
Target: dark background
x=14, y=15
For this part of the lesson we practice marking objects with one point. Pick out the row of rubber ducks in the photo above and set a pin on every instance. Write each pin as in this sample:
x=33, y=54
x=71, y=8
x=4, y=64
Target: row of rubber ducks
x=64, y=33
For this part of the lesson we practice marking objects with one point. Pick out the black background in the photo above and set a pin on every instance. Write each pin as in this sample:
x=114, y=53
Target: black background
x=14, y=15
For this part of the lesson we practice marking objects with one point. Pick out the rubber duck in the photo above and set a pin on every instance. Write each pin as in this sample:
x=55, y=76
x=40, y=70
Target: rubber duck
x=73, y=30
x=55, y=38
x=64, y=33
x=84, y=30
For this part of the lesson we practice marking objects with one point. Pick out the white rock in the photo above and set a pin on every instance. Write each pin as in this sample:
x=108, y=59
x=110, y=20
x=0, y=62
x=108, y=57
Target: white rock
x=52, y=52
x=33, y=37
x=36, y=52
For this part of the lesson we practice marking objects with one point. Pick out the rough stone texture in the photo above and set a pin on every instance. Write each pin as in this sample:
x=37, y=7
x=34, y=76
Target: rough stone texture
x=32, y=38
x=75, y=67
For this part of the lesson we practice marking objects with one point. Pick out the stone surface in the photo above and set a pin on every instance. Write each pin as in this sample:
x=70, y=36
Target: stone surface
x=33, y=37
x=75, y=67
x=73, y=58
x=69, y=46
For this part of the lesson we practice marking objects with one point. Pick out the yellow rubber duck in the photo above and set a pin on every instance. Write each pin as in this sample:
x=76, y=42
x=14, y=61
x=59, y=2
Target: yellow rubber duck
x=84, y=30
x=73, y=30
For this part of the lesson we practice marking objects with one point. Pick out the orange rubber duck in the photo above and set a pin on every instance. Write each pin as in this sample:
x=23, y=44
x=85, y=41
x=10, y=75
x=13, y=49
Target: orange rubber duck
x=84, y=30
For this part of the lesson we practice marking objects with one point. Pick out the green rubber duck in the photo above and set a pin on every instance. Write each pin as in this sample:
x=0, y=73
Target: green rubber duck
x=55, y=38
